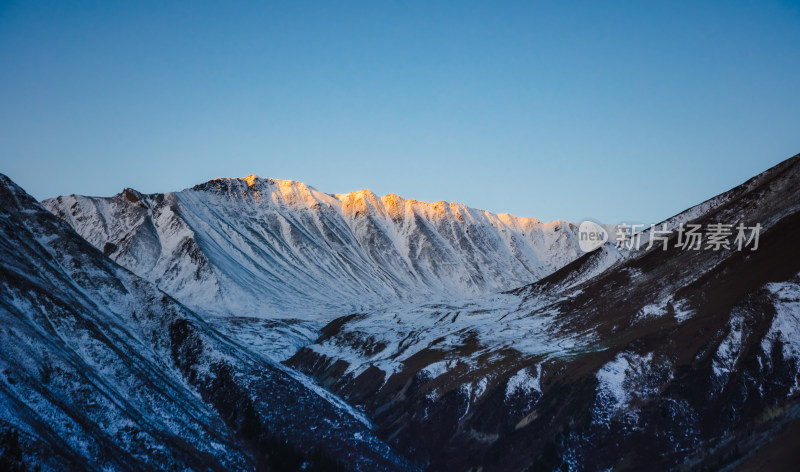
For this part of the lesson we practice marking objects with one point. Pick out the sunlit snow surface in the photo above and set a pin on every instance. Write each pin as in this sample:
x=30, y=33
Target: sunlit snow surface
x=282, y=249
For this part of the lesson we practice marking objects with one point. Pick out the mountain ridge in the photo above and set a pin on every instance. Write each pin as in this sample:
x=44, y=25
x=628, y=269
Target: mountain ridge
x=283, y=244
x=364, y=199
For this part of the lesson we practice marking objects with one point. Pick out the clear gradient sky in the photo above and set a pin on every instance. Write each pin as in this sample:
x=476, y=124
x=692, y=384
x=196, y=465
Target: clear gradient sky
x=617, y=111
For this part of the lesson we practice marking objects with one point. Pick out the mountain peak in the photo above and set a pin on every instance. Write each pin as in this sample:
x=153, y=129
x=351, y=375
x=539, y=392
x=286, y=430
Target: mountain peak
x=358, y=202
x=250, y=179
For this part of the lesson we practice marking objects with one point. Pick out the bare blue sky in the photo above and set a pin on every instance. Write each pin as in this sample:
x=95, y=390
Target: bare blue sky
x=558, y=110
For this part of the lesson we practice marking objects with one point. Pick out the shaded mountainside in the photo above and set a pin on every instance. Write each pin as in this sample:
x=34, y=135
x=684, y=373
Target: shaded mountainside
x=101, y=370
x=647, y=359
x=255, y=247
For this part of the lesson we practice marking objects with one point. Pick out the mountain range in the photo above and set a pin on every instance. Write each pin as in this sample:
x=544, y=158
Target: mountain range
x=262, y=324
x=264, y=247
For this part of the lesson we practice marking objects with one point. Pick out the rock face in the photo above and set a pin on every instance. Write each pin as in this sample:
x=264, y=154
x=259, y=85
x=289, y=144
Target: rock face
x=634, y=360
x=100, y=370
x=259, y=247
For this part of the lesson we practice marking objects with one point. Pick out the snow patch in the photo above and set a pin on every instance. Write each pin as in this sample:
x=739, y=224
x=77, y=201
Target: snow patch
x=682, y=310
x=627, y=376
x=438, y=369
x=786, y=324
x=727, y=354
x=524, y=383
x=653, y=310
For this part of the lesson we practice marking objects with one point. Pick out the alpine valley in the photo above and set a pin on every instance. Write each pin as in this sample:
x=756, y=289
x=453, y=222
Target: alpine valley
x=260, y=324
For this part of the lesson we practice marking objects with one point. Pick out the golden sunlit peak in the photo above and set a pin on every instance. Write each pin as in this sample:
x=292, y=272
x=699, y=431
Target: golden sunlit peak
x=250, y=179
x=392, y=199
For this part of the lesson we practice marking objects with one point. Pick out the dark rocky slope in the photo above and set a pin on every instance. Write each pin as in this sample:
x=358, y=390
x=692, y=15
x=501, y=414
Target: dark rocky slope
x=674, y=359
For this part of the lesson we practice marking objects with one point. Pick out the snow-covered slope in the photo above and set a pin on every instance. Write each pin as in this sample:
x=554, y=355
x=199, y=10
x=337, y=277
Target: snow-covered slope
x=530, y=319
x=256, y=247
x=100, y=370
x=651, y=359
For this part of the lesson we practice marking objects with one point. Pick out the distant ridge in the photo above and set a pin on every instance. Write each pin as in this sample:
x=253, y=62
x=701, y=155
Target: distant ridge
x=259, y=246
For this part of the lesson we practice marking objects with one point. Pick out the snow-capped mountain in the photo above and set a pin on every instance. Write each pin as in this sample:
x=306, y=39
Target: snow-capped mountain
x=100, y=370
x=259, y=247
x=469, y=341
x=634, y=360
